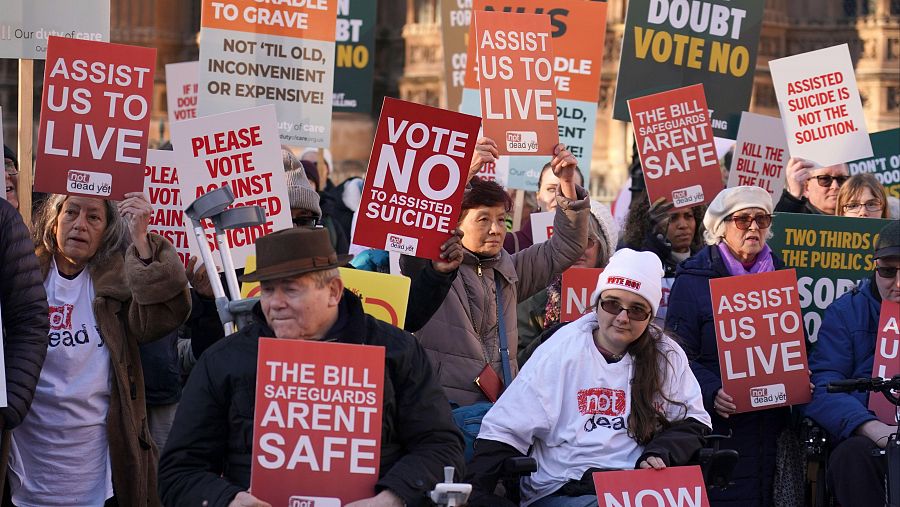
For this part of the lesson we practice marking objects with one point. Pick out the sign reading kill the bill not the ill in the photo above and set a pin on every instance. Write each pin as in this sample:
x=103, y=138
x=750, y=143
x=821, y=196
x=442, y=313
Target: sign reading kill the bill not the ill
x=239, y=149
x=518, y=98
x=354, y=66
x=416, y=177
x=182, y=88
x=820, y=106
x=161, y=188
x=27, y=26
x=576, y=78
x=759, y=336
x=577, y=286
x=831, y=255
x=887, y=359
x=254, y=53
x=676, y=146
x=884, y=162
x=638, y=488
x=760, y=154
x=95, y=118
x=671, y=44
x=331, y=457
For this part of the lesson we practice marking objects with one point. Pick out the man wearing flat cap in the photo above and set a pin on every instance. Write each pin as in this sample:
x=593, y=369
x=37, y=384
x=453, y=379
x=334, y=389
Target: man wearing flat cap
x=208, y=457
x=846, y=350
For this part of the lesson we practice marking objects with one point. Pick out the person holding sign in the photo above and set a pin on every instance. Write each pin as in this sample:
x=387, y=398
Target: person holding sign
x=607, y=391
x=11, y=167
x=810, y=189
x=846, y=350
x=463, y=336
x=110, y=286
x=208, y=458
x=737, y=226
x=862, y=196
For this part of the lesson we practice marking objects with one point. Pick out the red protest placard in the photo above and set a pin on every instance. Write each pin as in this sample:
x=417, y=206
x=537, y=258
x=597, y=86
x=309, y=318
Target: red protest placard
x=670, y=486
x=759, y=334
x=317, y=422
x=577, y=286
x=887, y=359
x=95, y=118
x=676, y=146
x=416, y=177
x=161, y=187
x=518, y=94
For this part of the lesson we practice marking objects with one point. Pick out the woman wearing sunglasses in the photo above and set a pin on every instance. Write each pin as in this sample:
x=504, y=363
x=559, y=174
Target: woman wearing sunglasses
x=608, y=391
x=737, y=226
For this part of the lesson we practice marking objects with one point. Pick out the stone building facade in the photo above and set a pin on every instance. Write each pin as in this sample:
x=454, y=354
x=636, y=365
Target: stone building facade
x=870, y=27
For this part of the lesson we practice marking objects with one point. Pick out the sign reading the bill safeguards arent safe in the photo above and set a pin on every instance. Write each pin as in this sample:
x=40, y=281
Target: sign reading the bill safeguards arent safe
x=416, y=177
x=820, y=106
x=254, y=53
x=317, y=422
x=26, y=25
x=676, y=146
x=759, y=335
x=518, y=97
x=95, y=118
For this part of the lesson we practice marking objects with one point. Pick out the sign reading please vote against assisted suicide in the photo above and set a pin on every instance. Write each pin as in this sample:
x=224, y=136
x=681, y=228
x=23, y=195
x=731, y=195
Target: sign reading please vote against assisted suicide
x=317, y=422
x=759, y=334
x=673, y=486
x=416, y=176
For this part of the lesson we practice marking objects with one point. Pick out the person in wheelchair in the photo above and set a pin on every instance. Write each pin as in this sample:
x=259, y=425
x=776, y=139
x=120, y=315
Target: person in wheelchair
x=845, y=350
x=608, y=391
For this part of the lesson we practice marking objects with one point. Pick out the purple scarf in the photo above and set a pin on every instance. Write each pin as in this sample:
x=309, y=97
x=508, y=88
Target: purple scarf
x=762, y=264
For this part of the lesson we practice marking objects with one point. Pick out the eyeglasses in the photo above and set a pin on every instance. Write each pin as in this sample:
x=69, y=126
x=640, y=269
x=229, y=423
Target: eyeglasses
x=886, y=272
x=743, y=222
x=872, y=206
x=825, y=180
x=634, y=313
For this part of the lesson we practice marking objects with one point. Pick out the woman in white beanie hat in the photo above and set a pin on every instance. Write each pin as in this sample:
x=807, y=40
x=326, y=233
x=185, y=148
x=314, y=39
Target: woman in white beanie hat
x=541, y=311
x=737, y=226
x=608, y=391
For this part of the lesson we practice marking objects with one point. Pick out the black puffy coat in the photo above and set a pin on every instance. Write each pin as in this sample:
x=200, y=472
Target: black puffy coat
x=23, y=306
x=690, y=318
x=208, y=456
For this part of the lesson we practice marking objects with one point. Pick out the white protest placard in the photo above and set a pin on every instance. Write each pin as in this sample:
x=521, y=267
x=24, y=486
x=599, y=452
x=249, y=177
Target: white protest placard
x=760, y=155
x=542, y=226
x=820, y=106
x=161, y=187
x=274, y=52
x=25, y=25
x=182, y=90
x=239, y=149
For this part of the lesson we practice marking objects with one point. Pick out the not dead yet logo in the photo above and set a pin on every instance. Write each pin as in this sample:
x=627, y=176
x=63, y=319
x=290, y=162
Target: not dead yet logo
x=688, y=195
x=85, y=182
x=401, y=244
x=61, y=317
x=767, y=395
x=309, y=501
x=521, y=141
x=604, y=407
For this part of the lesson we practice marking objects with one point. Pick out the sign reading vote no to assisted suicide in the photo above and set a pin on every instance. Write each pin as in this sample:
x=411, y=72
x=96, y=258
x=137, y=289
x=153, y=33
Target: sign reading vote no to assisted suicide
x=416, y=177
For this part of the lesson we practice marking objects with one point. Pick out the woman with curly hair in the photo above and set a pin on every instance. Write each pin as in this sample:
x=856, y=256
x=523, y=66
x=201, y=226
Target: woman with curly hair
x=673, y=234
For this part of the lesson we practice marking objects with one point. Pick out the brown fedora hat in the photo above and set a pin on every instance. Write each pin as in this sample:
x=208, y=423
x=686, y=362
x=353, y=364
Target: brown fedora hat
x=293, y=252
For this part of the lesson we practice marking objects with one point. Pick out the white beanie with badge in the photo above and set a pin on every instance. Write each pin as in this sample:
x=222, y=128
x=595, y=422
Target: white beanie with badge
x=637, y=272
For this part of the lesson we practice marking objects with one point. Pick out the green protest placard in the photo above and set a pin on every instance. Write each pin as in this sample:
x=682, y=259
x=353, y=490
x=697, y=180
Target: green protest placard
x=885, y=161
x=831, y=255
x=354, y=66
x=671, y=44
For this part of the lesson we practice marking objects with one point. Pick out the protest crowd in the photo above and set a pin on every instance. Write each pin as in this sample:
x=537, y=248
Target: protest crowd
x=221, y=323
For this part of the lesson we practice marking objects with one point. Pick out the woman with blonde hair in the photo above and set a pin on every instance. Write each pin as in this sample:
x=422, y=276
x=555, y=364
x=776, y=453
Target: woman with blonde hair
x=862, y=196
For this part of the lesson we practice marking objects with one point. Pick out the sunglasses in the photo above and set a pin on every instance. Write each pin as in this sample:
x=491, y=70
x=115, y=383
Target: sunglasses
x=886, y=272
x=825, y=180
x=871, y=206
x=743, y=222
x=613, y=307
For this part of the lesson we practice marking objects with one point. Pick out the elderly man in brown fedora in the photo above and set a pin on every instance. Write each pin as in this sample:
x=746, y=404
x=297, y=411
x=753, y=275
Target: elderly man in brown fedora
x=208, y=456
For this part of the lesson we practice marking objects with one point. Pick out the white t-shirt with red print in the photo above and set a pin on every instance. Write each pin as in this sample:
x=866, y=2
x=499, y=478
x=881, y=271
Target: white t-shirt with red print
x=573, y=406
x=60, y=452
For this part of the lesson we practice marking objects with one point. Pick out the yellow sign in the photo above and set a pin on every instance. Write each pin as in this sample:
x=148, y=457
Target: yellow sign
x=384, y=296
